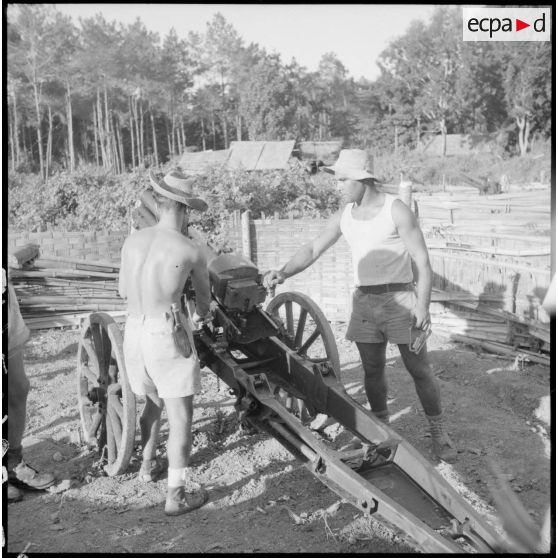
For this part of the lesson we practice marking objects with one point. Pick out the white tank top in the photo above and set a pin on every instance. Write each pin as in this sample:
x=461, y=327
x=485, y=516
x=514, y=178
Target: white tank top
x=379, y=255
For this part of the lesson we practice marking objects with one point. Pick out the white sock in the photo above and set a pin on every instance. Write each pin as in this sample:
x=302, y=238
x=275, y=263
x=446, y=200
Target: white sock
x=177, y=477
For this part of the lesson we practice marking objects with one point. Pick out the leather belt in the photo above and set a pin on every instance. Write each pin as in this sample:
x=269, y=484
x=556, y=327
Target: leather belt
x=385, y=288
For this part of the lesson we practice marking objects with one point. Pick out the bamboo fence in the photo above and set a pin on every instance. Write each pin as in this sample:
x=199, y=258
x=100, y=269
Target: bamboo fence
x=491, y=257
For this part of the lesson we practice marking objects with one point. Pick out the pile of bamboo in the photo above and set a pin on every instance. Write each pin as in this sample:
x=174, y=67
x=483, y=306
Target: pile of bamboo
x=57, y=292
x=471, y=320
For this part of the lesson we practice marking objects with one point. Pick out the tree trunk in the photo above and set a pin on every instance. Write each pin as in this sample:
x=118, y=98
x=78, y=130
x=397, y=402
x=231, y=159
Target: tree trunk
x=523, y=135
x=39, y=135
x=395, y=138
x=213, y=131
x=203, y=134
x=224, y=107
x=119, y=136
x=113, y=146
x=179, y=140
x=16, y=132
x=108, y=135
x=154, y=140
x=12, y=140
x=418, y=131
x=136, y=120
x=238, y=127
x=102, y=134
x=130, y=101
x=444, y=135
x=168, y=136
x=142, y=144
x=182, y=134
x=95, y=132
x=49, y=145
x=69, y=118
x=173, y=126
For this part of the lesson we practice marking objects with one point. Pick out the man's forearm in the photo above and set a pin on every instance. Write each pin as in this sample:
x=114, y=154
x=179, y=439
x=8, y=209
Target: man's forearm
x=303, y=258
x=424, y=286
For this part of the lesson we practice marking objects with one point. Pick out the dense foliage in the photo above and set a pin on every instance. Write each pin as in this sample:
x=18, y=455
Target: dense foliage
x=94, y=199
x=122, y=98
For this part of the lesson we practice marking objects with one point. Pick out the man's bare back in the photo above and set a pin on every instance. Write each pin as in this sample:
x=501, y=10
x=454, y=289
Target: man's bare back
x=156, y=262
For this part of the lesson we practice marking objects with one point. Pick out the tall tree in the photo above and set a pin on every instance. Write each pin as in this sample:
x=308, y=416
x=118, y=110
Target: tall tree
x=528, y=89
x=427, y=59
x=222, y=48
x=30, y=49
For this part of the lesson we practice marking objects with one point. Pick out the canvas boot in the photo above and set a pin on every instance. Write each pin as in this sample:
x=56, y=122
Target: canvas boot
x=14, y=494
x=25, y=476
x=182, y=499
x=441, y=443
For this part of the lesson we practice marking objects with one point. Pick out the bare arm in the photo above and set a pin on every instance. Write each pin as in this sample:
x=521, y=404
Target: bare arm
x=308, y=253
x=412, y=237
x=200, y=282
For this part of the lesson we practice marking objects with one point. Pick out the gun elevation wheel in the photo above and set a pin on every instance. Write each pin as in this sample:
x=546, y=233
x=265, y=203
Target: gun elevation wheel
x=307, y=332
x=107, y=405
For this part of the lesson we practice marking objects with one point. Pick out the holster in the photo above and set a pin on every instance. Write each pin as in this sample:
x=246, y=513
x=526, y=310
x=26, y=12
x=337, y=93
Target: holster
x=179, y=333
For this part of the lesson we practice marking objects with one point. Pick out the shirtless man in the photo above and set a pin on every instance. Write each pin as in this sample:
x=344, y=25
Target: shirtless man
x=384, y=238
x=156, y=261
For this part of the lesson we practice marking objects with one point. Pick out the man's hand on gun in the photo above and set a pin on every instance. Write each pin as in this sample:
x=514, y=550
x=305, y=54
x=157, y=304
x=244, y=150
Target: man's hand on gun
x=200, y=321
x=271, y=279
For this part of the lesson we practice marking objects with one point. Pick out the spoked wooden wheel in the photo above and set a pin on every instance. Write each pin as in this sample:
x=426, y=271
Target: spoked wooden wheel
x=107, y=405
x=308, y=332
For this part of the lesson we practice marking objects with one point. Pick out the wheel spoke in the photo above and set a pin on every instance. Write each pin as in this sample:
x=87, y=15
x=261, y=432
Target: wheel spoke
x=289, y=315
x=100, y=340
x=309, y=341
x=89, y=374
x=96, y=421
x=92, y=358
x=300, y=327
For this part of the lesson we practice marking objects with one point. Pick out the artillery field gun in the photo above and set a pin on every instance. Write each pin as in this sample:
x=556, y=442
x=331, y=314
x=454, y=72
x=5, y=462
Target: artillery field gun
x=271, y=359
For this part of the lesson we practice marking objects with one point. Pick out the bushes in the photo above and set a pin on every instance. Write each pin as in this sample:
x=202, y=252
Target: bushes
x=92, y=199
x=429, y=172
x=87, y=199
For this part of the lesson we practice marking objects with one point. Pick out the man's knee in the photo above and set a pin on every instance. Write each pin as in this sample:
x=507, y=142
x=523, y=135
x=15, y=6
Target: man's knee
x=18, y=383
x=179, y=411
x=373, y=356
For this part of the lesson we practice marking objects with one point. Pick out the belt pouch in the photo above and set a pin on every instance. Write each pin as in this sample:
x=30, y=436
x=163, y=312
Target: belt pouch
x=179, y=333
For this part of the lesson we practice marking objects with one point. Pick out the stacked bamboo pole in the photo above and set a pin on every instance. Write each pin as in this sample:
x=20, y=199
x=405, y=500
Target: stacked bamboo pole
x=59, y=292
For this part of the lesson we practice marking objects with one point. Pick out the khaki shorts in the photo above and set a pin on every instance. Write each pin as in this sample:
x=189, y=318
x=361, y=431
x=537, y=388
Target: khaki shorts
x=153, y=363
x=377, y=318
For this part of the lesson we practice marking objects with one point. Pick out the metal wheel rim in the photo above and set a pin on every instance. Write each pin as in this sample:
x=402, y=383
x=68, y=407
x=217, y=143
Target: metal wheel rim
x=110, y=423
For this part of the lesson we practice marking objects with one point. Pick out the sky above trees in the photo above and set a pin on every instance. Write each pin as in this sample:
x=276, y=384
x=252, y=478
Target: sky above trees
x=356, y=33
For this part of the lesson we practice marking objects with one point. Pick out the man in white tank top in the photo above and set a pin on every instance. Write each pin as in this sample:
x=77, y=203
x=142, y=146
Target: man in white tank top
x=384, y=238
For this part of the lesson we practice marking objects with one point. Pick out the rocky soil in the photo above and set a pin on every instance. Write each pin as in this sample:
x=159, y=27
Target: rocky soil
x=261, y=498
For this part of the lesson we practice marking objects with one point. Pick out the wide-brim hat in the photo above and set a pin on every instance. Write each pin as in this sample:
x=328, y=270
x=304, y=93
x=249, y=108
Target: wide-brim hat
x=178, y=187
x=352, y=164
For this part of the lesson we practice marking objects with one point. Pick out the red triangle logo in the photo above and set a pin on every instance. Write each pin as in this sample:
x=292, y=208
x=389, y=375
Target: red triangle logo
x=519, y=25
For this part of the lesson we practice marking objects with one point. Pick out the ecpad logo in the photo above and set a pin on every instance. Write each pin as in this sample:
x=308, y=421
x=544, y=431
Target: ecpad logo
x=506, y=24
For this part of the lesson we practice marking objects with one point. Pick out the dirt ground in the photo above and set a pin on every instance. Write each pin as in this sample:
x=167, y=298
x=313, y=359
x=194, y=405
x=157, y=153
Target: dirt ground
x=261, y=498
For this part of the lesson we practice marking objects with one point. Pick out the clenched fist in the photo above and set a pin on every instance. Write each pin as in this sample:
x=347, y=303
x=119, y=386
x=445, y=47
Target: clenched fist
x=272, y=278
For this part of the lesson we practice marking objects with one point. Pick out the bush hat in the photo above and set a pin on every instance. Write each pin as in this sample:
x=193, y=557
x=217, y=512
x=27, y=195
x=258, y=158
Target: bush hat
x=178, y=187
x=352, y=164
